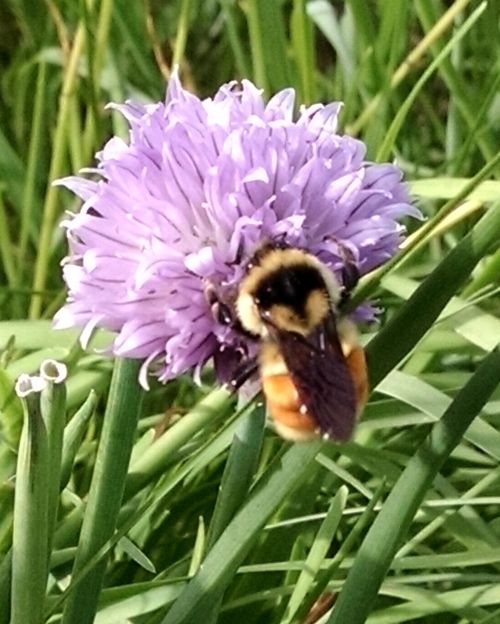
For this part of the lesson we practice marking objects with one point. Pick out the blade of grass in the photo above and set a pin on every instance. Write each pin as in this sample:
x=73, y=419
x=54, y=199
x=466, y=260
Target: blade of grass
x=238, y=45
x=464, y=98
x=317, y=553
x=302, y=39
x=73, y=435
x=156, y=459
x=6, y=245
x=268, y=44
x=5, y=587
x=108, y=483
x=239, y=471
x=345, y=548
x=29, y=196
x=182, y=32
x=382, y=540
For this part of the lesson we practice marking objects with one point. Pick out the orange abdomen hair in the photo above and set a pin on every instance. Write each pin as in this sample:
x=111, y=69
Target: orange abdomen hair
x=284, y=405
x=356, y=363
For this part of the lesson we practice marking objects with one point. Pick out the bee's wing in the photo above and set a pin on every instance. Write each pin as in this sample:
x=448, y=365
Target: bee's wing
x=319, y=371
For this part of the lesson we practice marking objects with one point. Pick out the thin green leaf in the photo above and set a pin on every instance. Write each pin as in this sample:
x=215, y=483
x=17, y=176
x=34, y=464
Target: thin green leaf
x=317, y=553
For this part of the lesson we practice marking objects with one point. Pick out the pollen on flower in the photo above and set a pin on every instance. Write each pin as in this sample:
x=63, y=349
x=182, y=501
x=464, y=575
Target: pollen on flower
x=188, y=198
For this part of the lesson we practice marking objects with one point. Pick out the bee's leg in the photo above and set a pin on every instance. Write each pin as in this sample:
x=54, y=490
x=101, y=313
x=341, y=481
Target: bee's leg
x=243, y=372
x=221, y=312
x=350, y=277
x=349, y=272
x=224, y=313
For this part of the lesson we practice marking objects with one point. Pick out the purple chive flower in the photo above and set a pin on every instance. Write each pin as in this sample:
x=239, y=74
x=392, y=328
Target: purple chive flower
x=181, y=207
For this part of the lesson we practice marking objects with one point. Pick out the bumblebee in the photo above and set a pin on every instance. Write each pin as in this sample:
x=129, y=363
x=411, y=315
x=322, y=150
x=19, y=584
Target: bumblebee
x=312, y=366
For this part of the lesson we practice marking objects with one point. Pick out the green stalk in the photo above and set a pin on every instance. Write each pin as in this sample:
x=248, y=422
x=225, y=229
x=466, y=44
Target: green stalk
x=348, y=544
x=106, y=490
x=5, y=587
x=32, y=168
x=238, y=473
x=159, y=455
x=382, y=540
x=6, y=247
x=238, y=46
x=317, y=554
x=30, y=537
x=256, y=44
x=464, y=99
x=73, y=435
x=182, y=32
x=53, y=411
x=489, y=274
x=302, y=35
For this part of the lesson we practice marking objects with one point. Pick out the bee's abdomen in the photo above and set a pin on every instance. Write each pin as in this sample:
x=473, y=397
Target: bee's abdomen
x=291, y=419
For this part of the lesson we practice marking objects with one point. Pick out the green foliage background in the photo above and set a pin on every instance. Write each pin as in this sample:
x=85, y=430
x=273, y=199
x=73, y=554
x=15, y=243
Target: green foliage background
x=214, y=518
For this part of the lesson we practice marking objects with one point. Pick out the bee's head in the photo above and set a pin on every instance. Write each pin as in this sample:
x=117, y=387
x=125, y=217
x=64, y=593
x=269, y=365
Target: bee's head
x=288, y=290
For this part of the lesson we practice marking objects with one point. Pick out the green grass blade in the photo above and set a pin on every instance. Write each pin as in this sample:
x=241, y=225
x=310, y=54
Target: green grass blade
x=463, y=93
x=237, y=43
x=107, y=486
x=239, y=472
x=379, y=547
x=349, y=542
x=5, y=587
x=302, y=39
x=53, y=412
x=215, y=406
x=56, y=170
x=268, y=44
x=6, y=246
x=317, y=553
x=30, y=197
x=73, y=435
